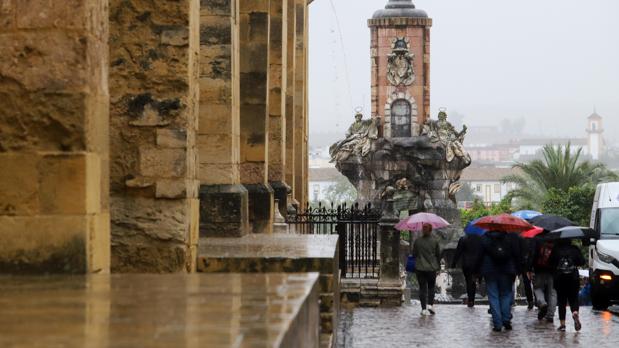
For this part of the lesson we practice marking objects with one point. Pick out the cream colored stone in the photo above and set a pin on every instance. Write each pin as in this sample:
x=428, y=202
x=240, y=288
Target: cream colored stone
x=163, y=163
x=19, y=184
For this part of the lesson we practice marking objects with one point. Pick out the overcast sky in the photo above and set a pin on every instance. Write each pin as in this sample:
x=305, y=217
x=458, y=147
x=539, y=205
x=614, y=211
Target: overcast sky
x=550, y=61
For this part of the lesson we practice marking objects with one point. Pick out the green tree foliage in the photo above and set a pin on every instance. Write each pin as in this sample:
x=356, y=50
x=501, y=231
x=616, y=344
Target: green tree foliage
x=342, y=192
x=574, y=204
x=480, y=210
x=559, y=169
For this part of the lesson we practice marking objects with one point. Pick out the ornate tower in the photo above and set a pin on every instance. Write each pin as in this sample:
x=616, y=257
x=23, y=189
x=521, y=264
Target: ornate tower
x=596, y=133
x=400, y=48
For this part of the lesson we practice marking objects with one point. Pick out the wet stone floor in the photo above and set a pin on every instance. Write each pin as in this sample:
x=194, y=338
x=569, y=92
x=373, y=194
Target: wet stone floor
x=459, y=326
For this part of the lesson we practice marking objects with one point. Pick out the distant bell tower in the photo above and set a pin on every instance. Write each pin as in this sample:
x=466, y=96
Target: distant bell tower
x=596, y=136
x=400, y=49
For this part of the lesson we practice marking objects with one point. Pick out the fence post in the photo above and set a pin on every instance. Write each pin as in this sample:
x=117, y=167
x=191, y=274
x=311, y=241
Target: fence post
x=389, y=247
x=341, y=231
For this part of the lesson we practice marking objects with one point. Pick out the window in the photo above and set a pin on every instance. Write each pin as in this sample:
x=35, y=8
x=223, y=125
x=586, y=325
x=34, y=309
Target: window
x=594, y=126
x=400, y=119
x=497, y=188
x=478, y=187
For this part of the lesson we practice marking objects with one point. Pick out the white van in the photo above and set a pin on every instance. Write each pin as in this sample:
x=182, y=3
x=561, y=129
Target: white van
x=604, y=249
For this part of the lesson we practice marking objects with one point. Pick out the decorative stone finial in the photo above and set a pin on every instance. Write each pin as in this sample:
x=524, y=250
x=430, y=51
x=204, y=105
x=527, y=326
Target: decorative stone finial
x=400, y=4
x=400, y=9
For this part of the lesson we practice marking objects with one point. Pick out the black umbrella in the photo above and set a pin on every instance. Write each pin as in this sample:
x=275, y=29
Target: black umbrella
x=570, y=232
x=551, y=222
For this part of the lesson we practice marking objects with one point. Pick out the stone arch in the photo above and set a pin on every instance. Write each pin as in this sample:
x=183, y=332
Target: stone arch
x=395, y=96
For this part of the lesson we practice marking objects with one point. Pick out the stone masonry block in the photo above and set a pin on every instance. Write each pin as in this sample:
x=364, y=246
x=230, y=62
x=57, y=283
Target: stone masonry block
x=19, y=184
x=70, y=184
x=216, y=8
x=98, y=243
x=175, y=36
x=216, y=148
x=7, y=14
x=163, y=163
x=43, y=244
x=172, y=138
x=37, y=14
x=223, y=211
x=217, y=119
x=213, y=174
x=172, y=189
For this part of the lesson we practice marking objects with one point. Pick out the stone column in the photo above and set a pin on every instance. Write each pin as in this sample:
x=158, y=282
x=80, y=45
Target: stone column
x=54, y=137
x=154, y=47
x=254, y=53
x=300, y=105
x=290, y=97
x=278, y=59
x=223, y=200
x=389, y=248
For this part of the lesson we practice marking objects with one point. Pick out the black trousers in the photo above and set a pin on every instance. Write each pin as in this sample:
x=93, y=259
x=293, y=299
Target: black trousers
x=567, y=292
x=427, y=284
x=471, y=285
x=528, y=287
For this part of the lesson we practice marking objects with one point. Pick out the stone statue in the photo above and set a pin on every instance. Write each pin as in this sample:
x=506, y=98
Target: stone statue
x=443, y=132
x=358, y=140
x=400, y=70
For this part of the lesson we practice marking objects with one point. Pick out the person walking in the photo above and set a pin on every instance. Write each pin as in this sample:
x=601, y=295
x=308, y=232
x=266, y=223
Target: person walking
x=565, y=260
x=543, y=281
x=527, y=247
x=469, y=247
x=427, y=252
x=499, y=264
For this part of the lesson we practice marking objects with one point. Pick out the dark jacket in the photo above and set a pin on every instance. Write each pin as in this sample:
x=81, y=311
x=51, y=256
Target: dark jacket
x=469, y=247
x=490, y=268
x=427, y=252
x=570, y=251
x=527, y=248
x=539, y=254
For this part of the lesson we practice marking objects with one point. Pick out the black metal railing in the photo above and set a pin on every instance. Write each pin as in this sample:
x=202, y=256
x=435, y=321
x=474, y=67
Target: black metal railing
x=357, y=228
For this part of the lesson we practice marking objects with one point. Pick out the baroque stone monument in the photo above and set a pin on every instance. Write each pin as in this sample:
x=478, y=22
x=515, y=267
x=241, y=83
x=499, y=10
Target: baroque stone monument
x=400, y=147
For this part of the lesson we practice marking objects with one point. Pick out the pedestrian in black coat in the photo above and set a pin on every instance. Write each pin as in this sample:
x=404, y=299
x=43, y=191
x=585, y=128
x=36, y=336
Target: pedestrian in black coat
x=468, y=250
x=565, y=260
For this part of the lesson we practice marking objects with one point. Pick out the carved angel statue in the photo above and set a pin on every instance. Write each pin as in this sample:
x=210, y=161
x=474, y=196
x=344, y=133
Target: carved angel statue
x=443, y=132
x=358, y=140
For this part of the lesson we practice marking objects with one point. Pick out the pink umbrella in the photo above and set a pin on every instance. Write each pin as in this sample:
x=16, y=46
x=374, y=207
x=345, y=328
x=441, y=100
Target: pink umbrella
x=415, y=222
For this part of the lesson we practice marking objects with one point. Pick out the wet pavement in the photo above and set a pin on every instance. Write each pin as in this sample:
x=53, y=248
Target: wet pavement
x=458, y=326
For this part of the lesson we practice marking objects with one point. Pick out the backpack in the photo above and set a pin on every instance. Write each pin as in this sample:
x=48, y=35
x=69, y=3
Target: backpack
x=499, y=249
x=543, y=259
x=566, y=266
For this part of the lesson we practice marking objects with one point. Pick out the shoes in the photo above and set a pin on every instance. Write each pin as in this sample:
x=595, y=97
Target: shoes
x=425, y=312
x=550, y=320
x=561, y=328
x=496, y=329
x=470, y=304
x=508, y=326
x=577, y=324
x=530, y=305
x=431, y=310
x=543, y=310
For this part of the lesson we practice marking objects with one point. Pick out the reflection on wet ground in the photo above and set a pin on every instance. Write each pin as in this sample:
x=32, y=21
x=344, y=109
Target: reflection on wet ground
x=458, y=326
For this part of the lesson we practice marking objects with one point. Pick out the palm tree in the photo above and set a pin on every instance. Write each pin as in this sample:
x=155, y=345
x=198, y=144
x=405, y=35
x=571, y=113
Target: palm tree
x=559, y=169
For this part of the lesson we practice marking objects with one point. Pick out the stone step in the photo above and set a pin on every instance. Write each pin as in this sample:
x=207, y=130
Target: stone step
x=167, y=310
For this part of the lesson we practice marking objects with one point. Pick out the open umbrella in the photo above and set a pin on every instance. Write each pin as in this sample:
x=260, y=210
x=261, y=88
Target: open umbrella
x=503, y=223
x=526, y=214
x=570, y=232
x=551, y=222
x=416, y=221
x=471, y=229
x=532, y=233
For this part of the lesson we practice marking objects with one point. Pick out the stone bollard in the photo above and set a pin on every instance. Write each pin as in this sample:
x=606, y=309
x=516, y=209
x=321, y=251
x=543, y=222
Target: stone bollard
x=389, y=283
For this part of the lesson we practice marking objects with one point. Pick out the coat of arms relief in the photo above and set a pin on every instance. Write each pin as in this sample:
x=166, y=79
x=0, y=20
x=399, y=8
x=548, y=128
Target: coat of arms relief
x=400, y=70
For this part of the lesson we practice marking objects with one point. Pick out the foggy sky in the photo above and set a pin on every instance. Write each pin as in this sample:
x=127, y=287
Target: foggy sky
x=549, y=61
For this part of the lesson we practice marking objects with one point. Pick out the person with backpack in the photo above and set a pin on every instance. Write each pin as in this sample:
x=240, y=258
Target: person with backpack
x=427, y=254
x=543, y=281
x=469, y=247
x=565, y=260
x=499, y=263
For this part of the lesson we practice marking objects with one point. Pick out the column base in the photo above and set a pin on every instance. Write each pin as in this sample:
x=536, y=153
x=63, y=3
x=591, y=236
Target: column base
x=280, y=192
x=260, y=207
x=224, y=211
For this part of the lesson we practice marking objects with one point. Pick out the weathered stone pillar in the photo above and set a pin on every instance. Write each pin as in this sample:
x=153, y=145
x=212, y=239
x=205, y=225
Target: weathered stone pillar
x=300, y=103
x=54, y=137
x=223, y=200
x=154, y=47
x=254, y=53
x=290, y=92
x=278, y=59
x=389, y=248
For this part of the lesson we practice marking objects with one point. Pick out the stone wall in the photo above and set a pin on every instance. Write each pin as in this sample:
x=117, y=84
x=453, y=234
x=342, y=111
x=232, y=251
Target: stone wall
x=54, y=214
x=300, y=103
x=154, y=48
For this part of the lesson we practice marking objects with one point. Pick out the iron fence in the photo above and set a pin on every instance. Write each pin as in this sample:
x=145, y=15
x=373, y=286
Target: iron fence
x=357, y=228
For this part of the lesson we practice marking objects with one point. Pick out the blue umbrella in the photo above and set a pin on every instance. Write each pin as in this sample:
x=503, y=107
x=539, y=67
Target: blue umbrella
x=471, y=229
x=527, y=214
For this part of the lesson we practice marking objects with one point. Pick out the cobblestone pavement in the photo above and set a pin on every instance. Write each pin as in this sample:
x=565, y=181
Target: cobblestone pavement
x=458, y=326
